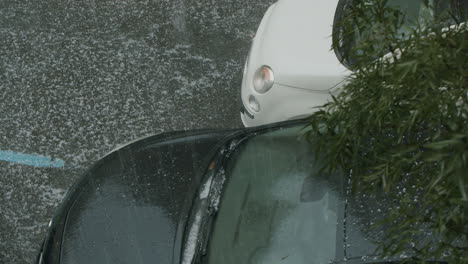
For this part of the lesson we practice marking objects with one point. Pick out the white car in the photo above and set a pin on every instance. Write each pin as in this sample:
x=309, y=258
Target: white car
x=291, y=68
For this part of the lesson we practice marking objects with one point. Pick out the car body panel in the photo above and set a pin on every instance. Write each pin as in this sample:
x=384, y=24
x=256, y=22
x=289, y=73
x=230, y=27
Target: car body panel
x=294, y=40
x=300, y=103
x=129, y=206
x=296, y=44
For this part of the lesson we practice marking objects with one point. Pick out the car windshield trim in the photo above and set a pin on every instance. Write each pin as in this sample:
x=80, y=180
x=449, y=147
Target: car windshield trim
x=198, y=230
x=375, y=259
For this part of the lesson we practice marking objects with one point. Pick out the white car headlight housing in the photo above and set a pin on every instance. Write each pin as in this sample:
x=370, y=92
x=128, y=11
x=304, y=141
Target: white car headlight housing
x=263, y=79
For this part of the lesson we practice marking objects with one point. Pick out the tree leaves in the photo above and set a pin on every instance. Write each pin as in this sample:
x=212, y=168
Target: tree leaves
x=403, y=123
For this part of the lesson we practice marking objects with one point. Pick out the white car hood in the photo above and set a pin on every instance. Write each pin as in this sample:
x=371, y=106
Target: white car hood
x=296, y=44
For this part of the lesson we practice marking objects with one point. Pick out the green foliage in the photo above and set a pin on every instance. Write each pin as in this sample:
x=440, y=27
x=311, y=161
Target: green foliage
x=401, y=123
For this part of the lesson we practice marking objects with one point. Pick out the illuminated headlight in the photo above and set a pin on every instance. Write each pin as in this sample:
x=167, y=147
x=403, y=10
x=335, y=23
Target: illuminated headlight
x=263, y=79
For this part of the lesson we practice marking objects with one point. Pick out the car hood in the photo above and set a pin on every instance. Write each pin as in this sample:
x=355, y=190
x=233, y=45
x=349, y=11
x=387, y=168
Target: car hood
x=130, y=207
x=296, y=43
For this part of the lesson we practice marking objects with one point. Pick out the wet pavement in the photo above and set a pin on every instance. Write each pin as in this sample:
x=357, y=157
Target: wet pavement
x=78, y=78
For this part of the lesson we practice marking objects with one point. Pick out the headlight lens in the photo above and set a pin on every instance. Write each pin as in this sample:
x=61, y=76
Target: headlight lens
x=254, y=104
x=263, y=79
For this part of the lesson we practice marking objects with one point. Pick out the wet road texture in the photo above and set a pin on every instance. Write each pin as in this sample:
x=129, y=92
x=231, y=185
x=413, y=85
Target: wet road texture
x=78, y=78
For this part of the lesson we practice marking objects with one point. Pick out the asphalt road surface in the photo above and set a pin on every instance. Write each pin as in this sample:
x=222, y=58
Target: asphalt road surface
x=77, y=78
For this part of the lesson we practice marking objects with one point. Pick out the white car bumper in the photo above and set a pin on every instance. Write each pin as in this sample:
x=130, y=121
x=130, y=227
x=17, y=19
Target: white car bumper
x=281, y=103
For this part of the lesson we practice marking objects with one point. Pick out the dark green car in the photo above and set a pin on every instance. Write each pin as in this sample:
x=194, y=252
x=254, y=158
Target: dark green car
x=221, y=197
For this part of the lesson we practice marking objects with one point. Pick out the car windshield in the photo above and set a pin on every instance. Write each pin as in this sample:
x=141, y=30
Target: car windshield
x=277, y=208
x=416, y=12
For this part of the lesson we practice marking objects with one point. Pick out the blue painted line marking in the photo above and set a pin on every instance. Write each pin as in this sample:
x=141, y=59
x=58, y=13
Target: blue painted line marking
x=31, y=159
